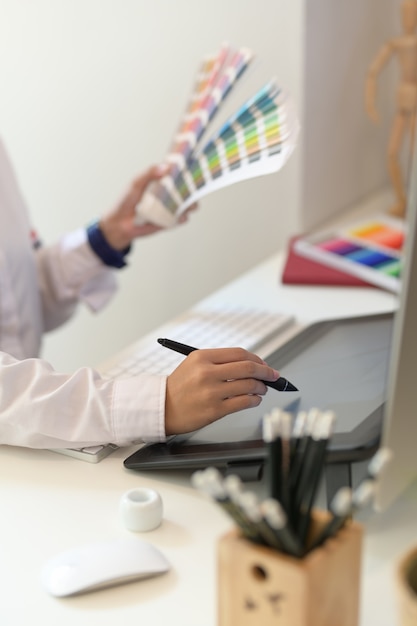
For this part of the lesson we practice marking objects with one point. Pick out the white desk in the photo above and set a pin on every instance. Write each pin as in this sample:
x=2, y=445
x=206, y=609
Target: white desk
x=52, y=502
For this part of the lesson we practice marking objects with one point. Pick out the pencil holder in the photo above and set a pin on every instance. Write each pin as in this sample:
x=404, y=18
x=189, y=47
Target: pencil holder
x=407, y=588
x=259, y=585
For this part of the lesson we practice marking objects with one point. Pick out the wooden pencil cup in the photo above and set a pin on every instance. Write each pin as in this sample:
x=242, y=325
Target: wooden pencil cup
x=407, y=588
x=259, y=585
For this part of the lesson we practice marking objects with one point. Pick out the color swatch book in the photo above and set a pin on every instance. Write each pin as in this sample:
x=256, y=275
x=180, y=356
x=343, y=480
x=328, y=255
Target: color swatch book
x=256, y=140
x=370, y=250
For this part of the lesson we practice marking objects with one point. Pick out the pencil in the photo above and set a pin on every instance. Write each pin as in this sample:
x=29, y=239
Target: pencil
x=278, y=521
x=271, y=435
x=314, y=471
x=299, y=471
x=210, y=481
x=249, y=503
x=345, y=503
x=341, y=508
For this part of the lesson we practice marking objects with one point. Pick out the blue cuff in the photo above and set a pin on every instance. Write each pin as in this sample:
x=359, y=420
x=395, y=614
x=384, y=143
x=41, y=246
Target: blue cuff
x=99, y=244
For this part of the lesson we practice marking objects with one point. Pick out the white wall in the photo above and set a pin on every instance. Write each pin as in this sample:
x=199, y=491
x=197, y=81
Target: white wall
x=344, y=152
x=91, y=92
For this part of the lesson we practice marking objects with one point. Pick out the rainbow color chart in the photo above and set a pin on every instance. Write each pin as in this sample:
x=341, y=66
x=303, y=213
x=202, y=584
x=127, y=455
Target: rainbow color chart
x=371, y=250
x=258, y=139
x=212, y=86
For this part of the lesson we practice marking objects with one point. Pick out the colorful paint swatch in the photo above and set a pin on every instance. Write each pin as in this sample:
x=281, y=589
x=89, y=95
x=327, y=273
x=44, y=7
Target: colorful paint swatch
x=257, y=132
x=258, y=139
x=371, y=251
x=385, y=235
x=223, y=72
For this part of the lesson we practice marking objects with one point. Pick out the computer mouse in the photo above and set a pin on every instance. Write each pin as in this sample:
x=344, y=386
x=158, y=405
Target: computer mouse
x=102, y=564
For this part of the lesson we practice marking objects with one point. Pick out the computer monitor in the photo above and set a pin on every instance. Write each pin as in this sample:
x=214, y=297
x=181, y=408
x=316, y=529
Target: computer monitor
x=399, y=430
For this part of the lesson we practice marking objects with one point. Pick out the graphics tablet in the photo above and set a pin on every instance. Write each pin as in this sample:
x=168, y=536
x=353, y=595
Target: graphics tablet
x=338, y=364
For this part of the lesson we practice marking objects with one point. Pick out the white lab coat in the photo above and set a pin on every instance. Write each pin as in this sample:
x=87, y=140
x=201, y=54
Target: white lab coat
x=39, y=290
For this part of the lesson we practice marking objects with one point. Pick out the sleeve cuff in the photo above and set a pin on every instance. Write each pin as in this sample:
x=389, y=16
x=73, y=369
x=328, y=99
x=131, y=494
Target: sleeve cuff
x=99, y=244
x=138, y=409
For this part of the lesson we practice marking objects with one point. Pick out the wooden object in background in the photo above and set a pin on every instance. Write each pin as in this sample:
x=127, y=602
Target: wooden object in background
x=261, y=586
x=407, y=588
x=404, y=47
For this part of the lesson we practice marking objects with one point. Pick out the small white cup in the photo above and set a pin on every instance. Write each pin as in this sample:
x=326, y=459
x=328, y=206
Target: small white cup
x=141, y=509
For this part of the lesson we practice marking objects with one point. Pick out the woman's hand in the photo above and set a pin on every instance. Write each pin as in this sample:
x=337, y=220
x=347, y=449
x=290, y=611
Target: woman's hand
x=119, y=227
x=210, y=384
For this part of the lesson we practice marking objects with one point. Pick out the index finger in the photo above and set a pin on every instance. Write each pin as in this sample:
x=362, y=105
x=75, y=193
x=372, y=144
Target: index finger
x=235, y=363
x=230, y=355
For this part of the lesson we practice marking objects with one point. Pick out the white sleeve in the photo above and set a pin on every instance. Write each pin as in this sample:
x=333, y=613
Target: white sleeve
x=41, y=408
x=70, y=272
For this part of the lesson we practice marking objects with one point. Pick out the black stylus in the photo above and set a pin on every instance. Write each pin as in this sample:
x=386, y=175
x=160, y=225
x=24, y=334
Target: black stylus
x=281, y=384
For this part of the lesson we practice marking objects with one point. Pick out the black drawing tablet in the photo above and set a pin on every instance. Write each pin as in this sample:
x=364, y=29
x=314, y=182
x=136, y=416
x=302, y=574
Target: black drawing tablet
x=336, y=364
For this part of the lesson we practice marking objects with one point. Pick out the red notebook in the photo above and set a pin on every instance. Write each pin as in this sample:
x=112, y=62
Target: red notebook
x=299, y=270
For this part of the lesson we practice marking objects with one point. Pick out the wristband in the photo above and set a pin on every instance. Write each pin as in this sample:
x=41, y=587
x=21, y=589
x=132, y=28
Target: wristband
x=99, y=244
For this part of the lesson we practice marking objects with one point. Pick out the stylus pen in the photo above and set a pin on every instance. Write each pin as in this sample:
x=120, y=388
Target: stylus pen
x=282, y=384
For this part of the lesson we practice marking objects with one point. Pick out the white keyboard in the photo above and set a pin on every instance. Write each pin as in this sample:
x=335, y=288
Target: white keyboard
x=201, y=328
x=208, y=328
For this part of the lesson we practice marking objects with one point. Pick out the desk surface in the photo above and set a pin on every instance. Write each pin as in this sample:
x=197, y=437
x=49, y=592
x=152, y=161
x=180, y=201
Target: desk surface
x=51, y=503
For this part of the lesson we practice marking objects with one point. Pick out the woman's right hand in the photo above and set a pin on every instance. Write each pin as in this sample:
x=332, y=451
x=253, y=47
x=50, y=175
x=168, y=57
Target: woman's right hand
x=212, y=383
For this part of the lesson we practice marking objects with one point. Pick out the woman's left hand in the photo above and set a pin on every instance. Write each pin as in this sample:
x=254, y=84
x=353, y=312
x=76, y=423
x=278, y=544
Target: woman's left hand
x=119, y=225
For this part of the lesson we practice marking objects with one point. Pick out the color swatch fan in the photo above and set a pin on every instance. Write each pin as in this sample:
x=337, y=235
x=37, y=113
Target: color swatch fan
x=257, y=140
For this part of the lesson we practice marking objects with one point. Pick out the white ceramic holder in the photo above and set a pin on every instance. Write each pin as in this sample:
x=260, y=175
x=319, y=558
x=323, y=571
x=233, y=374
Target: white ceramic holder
x=141, y=509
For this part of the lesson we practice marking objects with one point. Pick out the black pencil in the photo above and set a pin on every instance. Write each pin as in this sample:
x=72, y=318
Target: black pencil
x=300, y=473
x=210, y=481
x=314, y=470
x=341, y=507
x=275, y=516
x=249, y=503
x=346, y=503
x=271, y=433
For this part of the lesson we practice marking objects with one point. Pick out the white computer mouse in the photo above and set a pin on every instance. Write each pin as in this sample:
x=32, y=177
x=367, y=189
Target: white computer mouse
x=102, y=564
